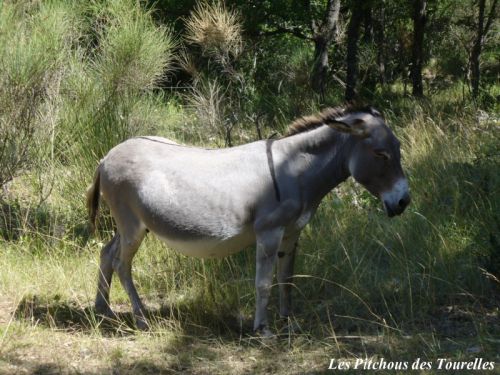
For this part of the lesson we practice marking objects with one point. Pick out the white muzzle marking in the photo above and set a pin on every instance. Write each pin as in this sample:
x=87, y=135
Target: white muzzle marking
x=392, y=197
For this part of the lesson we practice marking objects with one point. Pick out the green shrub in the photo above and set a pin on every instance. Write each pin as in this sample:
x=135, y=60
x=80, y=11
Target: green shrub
x=76, y=78
x=35, y=42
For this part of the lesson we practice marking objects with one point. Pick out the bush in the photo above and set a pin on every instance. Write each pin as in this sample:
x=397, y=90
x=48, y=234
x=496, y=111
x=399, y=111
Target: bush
x=113, y=77
x=76, y=78
x=35, y=40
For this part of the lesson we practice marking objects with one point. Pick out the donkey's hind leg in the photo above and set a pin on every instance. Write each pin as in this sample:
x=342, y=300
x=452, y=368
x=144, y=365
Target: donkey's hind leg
x=108, y=253
x=130, y=240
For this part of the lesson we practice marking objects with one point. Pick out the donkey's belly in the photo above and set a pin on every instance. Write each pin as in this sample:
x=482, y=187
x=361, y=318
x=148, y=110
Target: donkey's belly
x=211, y=247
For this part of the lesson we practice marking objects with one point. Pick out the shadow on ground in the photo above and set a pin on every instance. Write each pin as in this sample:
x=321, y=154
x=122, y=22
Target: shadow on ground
x=191, y=350
x=454, y=333
x=73, y=317
x=459, y=319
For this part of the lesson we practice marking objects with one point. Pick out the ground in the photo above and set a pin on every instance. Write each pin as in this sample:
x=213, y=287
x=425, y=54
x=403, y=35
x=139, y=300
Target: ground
x=59, y=337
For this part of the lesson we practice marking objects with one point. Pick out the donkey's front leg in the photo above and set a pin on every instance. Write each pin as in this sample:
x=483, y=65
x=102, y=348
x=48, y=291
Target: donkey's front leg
x=268, y=243
x=286, y=259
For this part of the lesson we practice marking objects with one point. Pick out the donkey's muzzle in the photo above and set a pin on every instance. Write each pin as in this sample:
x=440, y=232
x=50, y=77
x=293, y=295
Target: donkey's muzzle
x=398, y=207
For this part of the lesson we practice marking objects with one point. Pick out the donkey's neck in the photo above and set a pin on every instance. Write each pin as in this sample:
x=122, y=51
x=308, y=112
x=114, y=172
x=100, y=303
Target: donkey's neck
x=319, y=158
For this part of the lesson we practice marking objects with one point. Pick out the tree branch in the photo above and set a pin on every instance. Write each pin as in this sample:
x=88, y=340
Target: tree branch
x=491, y=16
x=332, y=15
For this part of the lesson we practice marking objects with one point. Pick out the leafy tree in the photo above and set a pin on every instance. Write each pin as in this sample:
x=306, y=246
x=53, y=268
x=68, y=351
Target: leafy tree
x=316, y=22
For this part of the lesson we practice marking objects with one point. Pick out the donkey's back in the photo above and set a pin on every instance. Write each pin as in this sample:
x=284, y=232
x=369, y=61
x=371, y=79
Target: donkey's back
x=201, y=202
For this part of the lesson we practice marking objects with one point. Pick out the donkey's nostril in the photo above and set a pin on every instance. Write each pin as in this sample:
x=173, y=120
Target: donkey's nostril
x=403, y=202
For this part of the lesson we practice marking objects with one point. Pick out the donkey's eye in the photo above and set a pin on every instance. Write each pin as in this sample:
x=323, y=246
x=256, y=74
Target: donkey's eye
x=382, y=154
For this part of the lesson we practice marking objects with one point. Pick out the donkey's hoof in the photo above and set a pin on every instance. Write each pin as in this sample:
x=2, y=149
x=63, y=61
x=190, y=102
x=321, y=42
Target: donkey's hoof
x=264, y=333
x=104, y=310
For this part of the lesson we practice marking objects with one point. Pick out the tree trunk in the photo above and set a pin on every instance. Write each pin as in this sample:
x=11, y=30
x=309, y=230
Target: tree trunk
x=352, y=51
x=482, y=30
x=417, y=48
x=476, y=51
x=320, y=68
x=323, y=36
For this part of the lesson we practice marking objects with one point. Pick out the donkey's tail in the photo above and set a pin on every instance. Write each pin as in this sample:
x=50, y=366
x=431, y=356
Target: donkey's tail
x=93, y=193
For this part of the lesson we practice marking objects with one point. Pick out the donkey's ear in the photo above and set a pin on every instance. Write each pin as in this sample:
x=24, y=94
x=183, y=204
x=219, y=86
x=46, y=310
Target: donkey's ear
x=351, y=125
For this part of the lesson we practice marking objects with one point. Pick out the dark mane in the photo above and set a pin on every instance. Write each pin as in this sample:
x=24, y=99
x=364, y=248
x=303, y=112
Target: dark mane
x=327, y=115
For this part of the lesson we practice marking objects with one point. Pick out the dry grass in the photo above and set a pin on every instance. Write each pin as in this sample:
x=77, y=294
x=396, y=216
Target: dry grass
x=185, y=62
x=215, y=29
x=206, y=100
x=42, y=351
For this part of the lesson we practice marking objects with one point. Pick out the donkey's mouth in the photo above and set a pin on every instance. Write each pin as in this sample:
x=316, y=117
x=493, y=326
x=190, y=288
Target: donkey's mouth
x=390, y=212
x=393, y=210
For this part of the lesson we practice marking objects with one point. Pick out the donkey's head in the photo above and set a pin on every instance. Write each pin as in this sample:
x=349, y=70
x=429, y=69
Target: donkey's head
x=375, y=157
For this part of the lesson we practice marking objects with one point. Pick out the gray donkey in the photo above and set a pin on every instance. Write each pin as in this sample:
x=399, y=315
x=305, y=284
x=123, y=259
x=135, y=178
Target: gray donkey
x=215, y=202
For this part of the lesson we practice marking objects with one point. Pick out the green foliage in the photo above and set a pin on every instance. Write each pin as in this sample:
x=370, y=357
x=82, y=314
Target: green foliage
x=133, y=52
x=110, y=82
x=77, y=78
x=31, y=65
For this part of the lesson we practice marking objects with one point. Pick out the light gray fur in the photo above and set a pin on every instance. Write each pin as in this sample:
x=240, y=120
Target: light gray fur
x=212, y=203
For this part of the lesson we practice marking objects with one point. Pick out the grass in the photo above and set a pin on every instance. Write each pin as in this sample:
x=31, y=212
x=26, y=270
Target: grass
x=423, y=285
